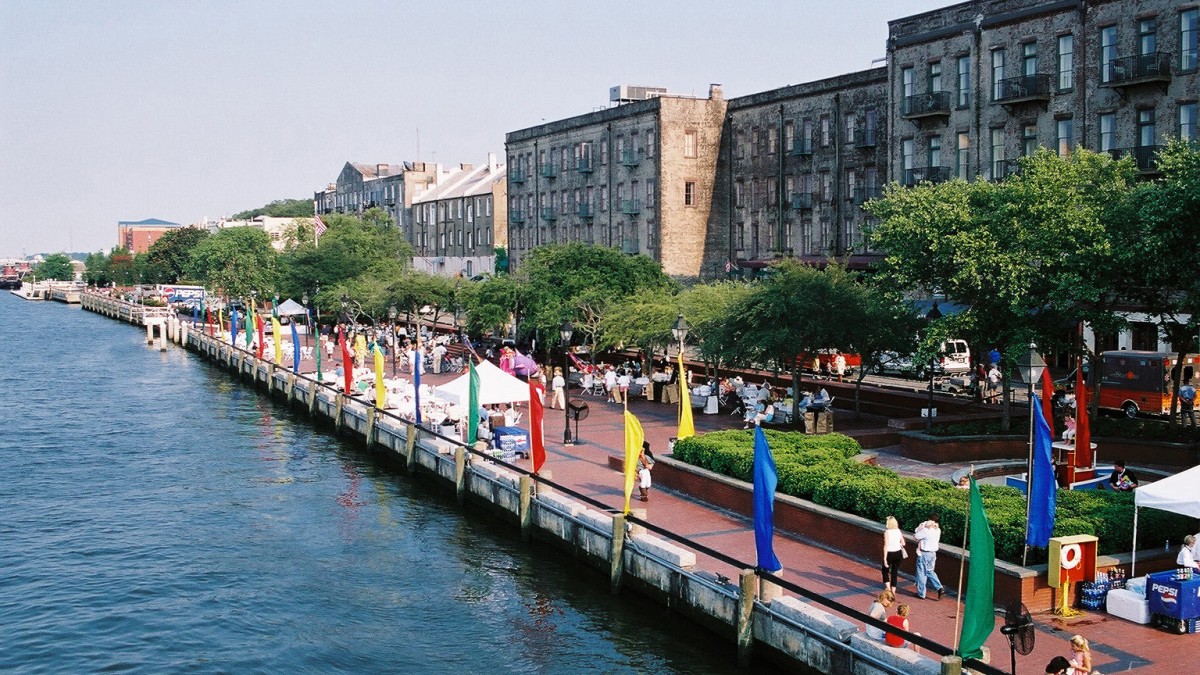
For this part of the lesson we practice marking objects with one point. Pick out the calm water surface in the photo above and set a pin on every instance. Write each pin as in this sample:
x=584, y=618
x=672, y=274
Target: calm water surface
x=156, y=516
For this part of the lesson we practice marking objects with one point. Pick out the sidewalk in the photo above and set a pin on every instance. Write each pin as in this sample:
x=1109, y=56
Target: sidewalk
x=1117, y=645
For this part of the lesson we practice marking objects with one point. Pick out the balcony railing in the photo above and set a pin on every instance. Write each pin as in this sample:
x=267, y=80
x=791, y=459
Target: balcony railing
x=549, y=213
x=584, y=210
x=864, y=137
x=516, y=216
x=584, y=165
x=630, y=246
x=516, y=176
x=631, y=207
x=1023, y=88
x=1003, y=168
x=802, y=147
x=1145, y=157
x=861, y=195
x=929, y=104
x=931, y=174
x=549, y=171
x=802, y=200
x=630, y=158
x=1128, y=70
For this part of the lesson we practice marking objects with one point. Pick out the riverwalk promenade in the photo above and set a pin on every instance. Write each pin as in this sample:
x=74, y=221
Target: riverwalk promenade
x=587, y=469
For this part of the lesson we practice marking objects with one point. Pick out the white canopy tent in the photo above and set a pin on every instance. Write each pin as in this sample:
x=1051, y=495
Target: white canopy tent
x=495, y=386
x=290, y=307
x=1178, y=494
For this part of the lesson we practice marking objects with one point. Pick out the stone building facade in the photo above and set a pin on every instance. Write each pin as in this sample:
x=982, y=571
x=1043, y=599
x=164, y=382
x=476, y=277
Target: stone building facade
x=796, y=167
x=455, y=224
x=638, y=177
x=391, y=187
x=977, y=85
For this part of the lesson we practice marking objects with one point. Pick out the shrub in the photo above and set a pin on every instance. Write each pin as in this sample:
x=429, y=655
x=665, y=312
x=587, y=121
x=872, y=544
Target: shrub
x=820, y=468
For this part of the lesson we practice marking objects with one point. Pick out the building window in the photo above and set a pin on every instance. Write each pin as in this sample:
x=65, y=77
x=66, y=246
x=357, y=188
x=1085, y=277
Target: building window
x=649, y=193
x=1187, y=121
x=739, y=194
x=851, y=127
x=1029, y=142
x=935, y=76
x=964, y=81
x=826, y=186
x=772, y=191
x=998, y=57
x=754, y=140
x=961, y=155
x=1107, y=123
x=1108, y=52
x=1148, y=37
x=825, y=131
x=1029, y=59
x=906, y=155
x=689, y=193
x=851, y=183
x=998, y=159
x=1145, y=123
x=806, y=133
x=871, y=181
x=1189, y=39
x=935, y=151
x=772, y=141
x=689, y=143
x=1066, y=62
x=789, y=135
x=650, y=143
x=907, y=76
x=1066, y=136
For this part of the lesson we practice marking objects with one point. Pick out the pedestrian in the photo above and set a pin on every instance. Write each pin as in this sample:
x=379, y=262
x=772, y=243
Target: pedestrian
x=558, y=390
x=623, y=380
x=645, y=464
x=439, y=355
x=839, y=365
x=878, y=611
x=1122, y=480
x=1187, y=402
x=610, y=383
x=929, y=535
x=1058, y=666
x=893, y=552
x=899, y=620
x=993, y=381
x=1081, y=655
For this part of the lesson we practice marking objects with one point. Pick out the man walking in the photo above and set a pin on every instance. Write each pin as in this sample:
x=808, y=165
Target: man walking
x=1187, y=402
x=928, y=535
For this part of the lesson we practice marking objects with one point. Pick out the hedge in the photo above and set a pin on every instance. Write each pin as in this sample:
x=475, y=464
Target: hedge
x=822, y=469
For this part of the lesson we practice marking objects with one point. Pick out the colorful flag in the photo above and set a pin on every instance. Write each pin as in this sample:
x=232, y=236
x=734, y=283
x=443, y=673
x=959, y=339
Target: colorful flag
x=233, y=327
x=347, y=362
x=1043, y=487
x=262, y=340
x=536, y=414
x=417, y=394
x=979, y=614
x=277, y=332
x=1048, y=399
x=472, y=403
x=765, y=481
x=249, y=325
x=295, y=348
x=380, y=389
x=1083, y=432
x=319, y=225
x=634, y=437
x=686, y=427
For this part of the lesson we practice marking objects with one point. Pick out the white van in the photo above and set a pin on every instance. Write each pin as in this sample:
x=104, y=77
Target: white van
x=955, y=360
x=956, y=357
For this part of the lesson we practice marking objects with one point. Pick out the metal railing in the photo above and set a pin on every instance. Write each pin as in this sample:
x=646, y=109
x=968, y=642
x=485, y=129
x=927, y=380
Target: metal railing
x=516, y=176
x=1023, y=88
x=631, y=207
x=926, y=174
x=1133, y=69
x=927, y=104
x=802, y=147
x=549, y=213
x=801, y=200
x=1145, y=156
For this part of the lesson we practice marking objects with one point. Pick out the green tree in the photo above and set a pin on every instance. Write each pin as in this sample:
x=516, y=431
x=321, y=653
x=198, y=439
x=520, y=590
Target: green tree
x=280, y=208
x=168, y=257
x=55, y=266
x=642, y=319
x=709, y=311
x=98, y=272
x=490, y=304
x=347, y=250
x=235, y=261
x=1027, y=256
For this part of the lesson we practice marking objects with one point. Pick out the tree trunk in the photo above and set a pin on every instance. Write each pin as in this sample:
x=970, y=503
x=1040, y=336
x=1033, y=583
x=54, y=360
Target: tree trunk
x=1176, y=381
x=862, y=372
x=797, y=418
x=1006, y=406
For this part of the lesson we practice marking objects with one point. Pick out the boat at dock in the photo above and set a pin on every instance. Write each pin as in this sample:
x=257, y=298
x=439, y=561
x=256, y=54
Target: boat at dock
x=38, y=290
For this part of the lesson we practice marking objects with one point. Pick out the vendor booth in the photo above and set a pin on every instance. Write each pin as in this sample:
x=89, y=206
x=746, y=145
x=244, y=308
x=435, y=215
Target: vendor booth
x=495, y=386
x=1170, y=596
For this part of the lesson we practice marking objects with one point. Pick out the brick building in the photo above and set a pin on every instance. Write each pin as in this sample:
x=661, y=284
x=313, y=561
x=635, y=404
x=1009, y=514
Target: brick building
x=638, y=176
x=137, y=236
x=458, y=224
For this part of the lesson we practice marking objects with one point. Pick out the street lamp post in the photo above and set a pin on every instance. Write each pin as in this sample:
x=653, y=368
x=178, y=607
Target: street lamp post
x=1030, y=366
x=308, y=332
x=566, y=331
x=933, y=314
x=392, y=314
x=680, y=332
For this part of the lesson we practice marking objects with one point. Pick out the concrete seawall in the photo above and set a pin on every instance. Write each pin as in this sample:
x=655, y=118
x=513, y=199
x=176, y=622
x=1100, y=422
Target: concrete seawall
x=751, y=611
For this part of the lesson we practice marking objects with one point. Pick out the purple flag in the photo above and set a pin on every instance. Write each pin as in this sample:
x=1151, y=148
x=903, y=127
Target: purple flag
x=765, y=480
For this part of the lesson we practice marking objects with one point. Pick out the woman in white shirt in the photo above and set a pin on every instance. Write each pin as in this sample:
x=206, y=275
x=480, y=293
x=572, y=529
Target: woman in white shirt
x=1187, y=557
x=893, y=553
x=558, y=387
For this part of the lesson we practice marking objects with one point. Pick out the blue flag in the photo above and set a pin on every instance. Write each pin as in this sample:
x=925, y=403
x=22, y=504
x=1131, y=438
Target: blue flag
x=765, y=480
x=233, y=327
x=417, y=392
x=1043, y=488
x=295, y=348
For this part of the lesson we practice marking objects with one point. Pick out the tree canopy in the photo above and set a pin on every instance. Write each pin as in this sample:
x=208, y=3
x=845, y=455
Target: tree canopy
x=167, y=260
x=235, y=262
x=280, y=208
x=55, y=266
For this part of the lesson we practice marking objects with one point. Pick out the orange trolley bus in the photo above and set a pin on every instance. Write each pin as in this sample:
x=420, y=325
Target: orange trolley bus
x=1135, y=381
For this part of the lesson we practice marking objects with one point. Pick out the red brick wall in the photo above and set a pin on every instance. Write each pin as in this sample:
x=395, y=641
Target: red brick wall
x=940, y=449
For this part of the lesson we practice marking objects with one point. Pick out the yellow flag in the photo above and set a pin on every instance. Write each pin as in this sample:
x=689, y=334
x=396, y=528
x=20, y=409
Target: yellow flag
x=380, y=389
x=634, y=437
x=686, y=428
x=277, y=333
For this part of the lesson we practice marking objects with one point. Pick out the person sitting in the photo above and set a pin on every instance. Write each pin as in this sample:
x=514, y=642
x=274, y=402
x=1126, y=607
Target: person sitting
x=879, y=611
x=1187, y=556
x=820, y=401
x=1121, y=479
x=806, y=402
x=899, y=620
x=764, y=412
x=753, y=413
x=1069, y=431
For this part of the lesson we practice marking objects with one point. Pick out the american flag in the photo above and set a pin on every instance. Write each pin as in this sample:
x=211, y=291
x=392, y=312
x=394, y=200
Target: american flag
x=319, y=226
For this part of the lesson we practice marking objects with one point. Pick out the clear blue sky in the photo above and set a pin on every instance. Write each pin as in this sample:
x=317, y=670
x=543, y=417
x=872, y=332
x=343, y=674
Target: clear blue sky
x=125, y=109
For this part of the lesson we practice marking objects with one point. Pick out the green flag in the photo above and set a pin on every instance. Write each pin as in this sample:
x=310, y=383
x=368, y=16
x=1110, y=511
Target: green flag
x=473, y=404
x=979, y=616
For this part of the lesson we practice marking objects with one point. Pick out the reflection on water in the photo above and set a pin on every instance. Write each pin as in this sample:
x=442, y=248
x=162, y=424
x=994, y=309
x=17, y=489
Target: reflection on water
x=158, y=516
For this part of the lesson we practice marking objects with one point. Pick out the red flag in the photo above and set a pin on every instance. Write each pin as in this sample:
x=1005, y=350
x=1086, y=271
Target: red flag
x=208, y=319
x=535, y=427
x=347, y=359
x=261, y=340
x=1048, y=399
x=1083, y=435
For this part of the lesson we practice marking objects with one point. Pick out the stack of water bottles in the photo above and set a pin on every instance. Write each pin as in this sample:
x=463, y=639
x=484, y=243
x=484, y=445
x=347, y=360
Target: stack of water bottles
x=1096, y=592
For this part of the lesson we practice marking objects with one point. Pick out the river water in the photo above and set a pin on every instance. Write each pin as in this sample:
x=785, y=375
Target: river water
x=158, y=516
